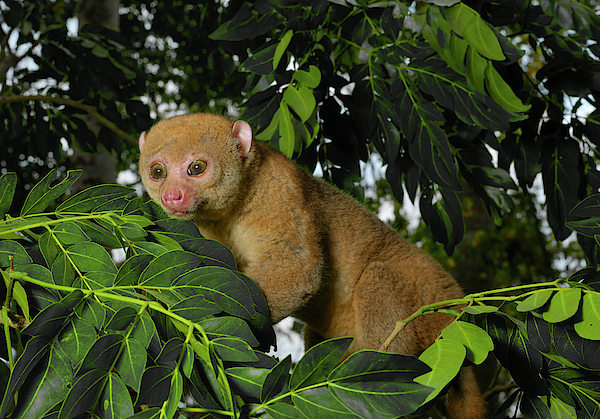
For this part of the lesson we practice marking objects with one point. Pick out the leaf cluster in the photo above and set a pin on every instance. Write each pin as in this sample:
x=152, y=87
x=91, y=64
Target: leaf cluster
x=53, y=80
x=430, y=89
x=176, y=322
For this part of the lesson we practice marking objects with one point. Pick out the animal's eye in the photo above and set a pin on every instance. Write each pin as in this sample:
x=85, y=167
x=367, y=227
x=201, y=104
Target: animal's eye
x=197, y=167
x=158, y=171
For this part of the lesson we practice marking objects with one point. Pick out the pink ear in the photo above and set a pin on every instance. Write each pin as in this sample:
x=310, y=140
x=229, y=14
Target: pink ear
x=142, y=139
x=242, y=131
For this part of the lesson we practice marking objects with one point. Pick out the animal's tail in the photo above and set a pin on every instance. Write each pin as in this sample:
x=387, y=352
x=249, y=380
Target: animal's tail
x=464, y=397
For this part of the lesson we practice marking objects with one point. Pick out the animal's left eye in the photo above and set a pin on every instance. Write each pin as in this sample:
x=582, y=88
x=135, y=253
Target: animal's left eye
x=197, y=167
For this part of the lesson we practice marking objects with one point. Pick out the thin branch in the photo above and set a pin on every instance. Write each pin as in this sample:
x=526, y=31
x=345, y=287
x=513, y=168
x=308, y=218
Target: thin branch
x=498, y=389
x=91, y=110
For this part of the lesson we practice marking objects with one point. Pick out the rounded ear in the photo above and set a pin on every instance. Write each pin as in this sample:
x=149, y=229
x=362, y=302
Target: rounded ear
x=142, y=140
x=243, y=133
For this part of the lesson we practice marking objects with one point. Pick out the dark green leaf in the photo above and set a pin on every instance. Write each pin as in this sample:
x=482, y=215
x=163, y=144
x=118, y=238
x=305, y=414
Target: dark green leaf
x=8, y=185
x=276, y=381
x=322, y=403
x=247, y=381
x=103, y=353
x=131, y=363
x=282, y=411
x=538, y=333
x=35, y=350
x=115, y=401
x=318, y=362
x=8, y=249
x=165, y=268
x=219, y=285
x=130, y=271
x=195, y=308
x=533, y=407
x=84, y=393
x=156, y=385
x=560, y=161
x=122, y=318
x=379, y=385
x=93, y=197
x=234, y=349
x=50, y=320
x=43, y=194
x=226, y=326
x=68, y=233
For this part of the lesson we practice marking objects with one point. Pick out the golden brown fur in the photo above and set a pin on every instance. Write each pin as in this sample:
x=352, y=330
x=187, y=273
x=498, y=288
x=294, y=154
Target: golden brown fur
x=315, y=252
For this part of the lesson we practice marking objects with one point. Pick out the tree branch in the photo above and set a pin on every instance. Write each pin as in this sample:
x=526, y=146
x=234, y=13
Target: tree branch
x=91, y=110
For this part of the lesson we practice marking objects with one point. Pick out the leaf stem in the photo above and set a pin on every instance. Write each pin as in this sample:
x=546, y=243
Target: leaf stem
x=468, y=299
x=6, y=321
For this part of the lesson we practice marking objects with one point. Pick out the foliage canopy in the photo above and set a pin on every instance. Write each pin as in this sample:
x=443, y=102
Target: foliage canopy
x=437, y=88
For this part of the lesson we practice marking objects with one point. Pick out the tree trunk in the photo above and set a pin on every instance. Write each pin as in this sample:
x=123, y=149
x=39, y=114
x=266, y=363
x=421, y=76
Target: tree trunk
x=99, y=167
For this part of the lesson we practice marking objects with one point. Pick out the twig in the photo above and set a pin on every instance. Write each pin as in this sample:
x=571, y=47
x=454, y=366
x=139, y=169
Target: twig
x=91, y=110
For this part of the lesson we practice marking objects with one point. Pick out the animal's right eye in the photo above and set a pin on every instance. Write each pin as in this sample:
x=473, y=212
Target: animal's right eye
x=158, y=171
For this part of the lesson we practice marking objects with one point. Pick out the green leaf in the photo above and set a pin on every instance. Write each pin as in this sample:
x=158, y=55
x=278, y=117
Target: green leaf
x=115, y=402
x=68, y=233
x=246, y=24
x=322, y=403
x=195, y=308
x=8, y=249
x=168, y=266
x=532, y=407
x=281, y=47
x=43, y=195
x=227, y=326
x=34, y=352
x=103, y=353
x=75, y=340
x=310, y=78
x=535, y=300
x=247, y=381
x=156, y=386
x=99, y=234
x=276, y=381
x=84, y=393
x=175, y=394
x=359, y=383
x=476, y=66
x=8, y=186
x=480, y=309
x=46, y=386
x=501, y=92
x=219, y=285
x=282, y=411
x=89, y=257
x=287, y=137
x=589, y=326
x=301, y=100
x=477, y=32
x=445, y=358
x=563, y=306
x=234, y=349
x=475, y=339
x=93, y=197
x=318, y=362
x=92, y=312
x=260, y=62
x=50, y=320
x=130, y=271
x=63, y=271
x=122, y=318
x=144, y=330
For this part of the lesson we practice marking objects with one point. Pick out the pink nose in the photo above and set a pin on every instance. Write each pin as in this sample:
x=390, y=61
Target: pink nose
x=174, y=199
